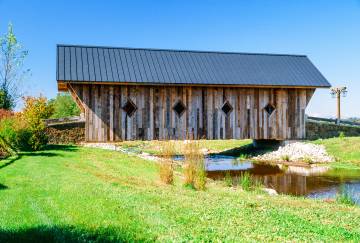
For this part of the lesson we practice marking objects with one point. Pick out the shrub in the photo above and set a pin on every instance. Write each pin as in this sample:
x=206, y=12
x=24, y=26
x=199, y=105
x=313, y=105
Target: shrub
x=285, y=157
x=25, y=130
x=36, y=109
x=307, y=160
x=7, y=137
x=228, y=179
x=166, y=166
x=194, y=172
x=166, y=172
x=245, y=181
x=341, y=135
x=200, y=177
x=14, y=134
x=5, y=114
x=344, y=197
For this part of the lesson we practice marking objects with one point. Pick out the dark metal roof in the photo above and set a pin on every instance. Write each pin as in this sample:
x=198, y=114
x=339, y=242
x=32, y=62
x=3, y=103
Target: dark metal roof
x=157, y=66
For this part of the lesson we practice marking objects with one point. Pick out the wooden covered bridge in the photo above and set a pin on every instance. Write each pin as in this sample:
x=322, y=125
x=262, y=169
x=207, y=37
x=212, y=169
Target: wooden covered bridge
x=131, y=94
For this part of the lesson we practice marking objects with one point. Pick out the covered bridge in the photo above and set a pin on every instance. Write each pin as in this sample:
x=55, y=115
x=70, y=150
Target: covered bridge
x=133, y=93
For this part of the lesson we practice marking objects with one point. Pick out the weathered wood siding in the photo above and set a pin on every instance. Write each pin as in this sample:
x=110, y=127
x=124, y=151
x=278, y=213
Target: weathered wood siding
x=155, y=118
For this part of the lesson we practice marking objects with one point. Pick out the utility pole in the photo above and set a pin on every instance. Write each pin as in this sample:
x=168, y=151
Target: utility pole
x=336, y=93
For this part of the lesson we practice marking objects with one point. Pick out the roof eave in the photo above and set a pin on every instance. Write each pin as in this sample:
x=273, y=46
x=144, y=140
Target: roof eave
x=62, y=85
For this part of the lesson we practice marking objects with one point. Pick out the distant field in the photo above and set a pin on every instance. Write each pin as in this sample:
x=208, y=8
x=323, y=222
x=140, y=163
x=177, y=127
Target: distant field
x=75, y=194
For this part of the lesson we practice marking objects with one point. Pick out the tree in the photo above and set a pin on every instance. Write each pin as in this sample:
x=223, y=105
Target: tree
x=64, y=106
x=12, y=72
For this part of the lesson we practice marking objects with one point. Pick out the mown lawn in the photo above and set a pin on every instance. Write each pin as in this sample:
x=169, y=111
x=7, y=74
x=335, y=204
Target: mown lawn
x=75, y=194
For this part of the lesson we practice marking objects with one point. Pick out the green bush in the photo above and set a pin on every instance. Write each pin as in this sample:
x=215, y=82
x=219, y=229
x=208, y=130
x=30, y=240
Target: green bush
x=7, y=136
x=36, y=109
x=26, y=130
x=14, y=134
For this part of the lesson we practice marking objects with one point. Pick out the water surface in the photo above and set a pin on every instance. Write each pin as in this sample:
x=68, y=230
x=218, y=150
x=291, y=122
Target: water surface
x=318, y=182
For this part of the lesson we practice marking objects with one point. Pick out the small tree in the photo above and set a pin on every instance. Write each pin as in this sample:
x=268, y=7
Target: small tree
x=36, y=109
x=12, y=73
x=64, y=106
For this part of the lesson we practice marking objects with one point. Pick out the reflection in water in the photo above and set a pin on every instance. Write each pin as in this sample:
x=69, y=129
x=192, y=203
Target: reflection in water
x=316, y=182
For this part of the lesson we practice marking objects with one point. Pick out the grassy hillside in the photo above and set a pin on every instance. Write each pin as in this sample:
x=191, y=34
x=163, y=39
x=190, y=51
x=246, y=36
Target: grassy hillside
x=346, y=150
x=74, y=194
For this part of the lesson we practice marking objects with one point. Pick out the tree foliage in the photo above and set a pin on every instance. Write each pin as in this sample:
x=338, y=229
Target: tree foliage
x=64, y=106
x=12, y=72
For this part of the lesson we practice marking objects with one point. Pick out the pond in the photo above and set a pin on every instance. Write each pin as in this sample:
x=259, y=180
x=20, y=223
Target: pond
x=317, y=182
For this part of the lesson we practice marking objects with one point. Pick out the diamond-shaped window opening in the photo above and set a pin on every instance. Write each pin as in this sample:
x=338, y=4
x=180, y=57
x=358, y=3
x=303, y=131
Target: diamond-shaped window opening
x=227, y=108
x=129, y=108
x=269, y=108
x=179, y=108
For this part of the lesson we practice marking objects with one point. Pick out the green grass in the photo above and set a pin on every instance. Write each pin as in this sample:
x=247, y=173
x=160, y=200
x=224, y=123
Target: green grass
x=212, y=146
x=346, y=151
x=75, y=194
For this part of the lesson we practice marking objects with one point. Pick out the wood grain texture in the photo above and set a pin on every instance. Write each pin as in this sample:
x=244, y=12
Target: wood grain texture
x=106, y=121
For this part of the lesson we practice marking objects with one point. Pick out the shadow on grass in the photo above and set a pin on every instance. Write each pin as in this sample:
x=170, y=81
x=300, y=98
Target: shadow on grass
x=11, y=161
x=61, y=147
x=3, y=187
x=67, y=234
x=42, y=153
x=50, y=151
x=245, y=151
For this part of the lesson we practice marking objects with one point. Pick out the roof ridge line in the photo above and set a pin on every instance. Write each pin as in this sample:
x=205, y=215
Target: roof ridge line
x=181, y=50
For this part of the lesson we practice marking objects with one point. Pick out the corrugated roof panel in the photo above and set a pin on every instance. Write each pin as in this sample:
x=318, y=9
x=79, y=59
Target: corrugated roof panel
x=181, y=70
x=124, y=64
x=135, y=65
x=97, y=71
x=102, y=66
x=91, y=67
x=60, y=63
x=155, y=73
x=85, y=64
x=130, y=66
x=119, y=65
x=79, y=64
x=188, y=65
x=156, y=67
x=158, y=57
x=67, y=64
x=216, y=77
x=108, y=68
x=109, y=64
x=73, y=72
x=143, y=66
x=204, y=69
x=170, y=66
x=114, y=68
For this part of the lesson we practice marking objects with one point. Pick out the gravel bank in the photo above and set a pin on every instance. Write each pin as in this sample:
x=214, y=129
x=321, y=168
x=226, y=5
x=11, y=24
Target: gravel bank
x=296, y=152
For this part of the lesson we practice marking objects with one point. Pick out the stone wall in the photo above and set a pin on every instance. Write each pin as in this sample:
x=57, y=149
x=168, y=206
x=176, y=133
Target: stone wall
x=315, y=130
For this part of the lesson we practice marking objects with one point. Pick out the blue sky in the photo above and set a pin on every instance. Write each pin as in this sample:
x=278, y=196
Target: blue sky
x=327, y=31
